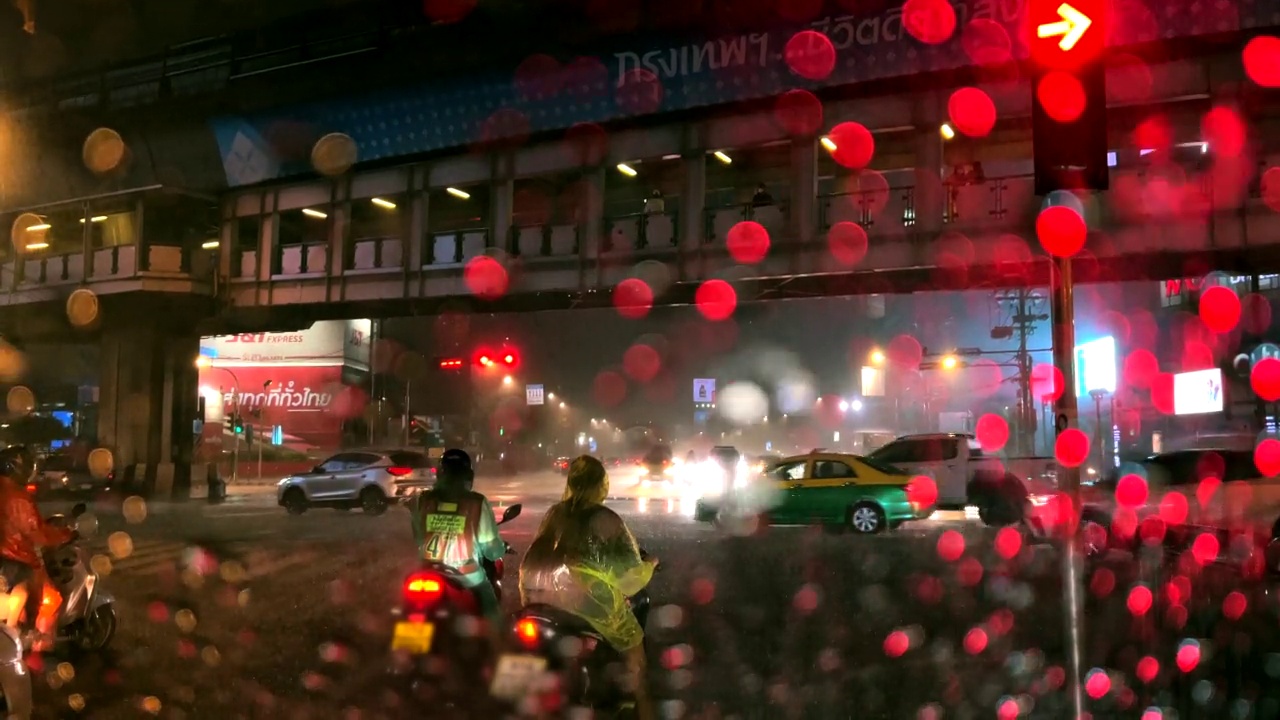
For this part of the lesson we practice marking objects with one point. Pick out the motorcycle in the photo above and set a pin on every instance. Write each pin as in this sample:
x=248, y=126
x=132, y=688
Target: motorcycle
x=438, y=616
x=86, y=616
x=544, y=638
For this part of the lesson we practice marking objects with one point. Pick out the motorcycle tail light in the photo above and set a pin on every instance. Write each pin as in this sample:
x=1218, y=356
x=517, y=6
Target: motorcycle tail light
x=528, y=632
x=422, y=589
x=31, y=488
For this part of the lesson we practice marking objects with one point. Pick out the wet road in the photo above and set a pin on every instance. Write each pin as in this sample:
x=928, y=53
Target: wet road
x=239, y=610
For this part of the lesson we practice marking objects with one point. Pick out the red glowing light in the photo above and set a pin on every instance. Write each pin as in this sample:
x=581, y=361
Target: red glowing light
x=799, y=112
x=1062, y=96
x=1265, y=379
x=1220, y=308
x=922, y=491
x=1131, y=491
x=992, y=432
x=854, y=143
x=485, y=277
x=1234, y=605
x=716, y=300
x=748, y=242
x=1225, y=131
x=950, y=546
x=1046, y=382
x=641, y=362
x=527, y=630
x=1097, y=683
x=896, y=644
x=975, y=641
x=1173, y=508
x=929, y=21
x=1139, y=601
x=633, y=298
x=1162, y=392
x=1205, y=548
x=1188, y=656
x=1008, y=542
x=1102, y=582
x=451, y=364
x=1148, y=668
x=1061, y=230
x=1140, y=366
x=810, y=55
x=1262, y=60
x=1267, y=457
x=847, y=242
x=1071, y=447
x=972, y=112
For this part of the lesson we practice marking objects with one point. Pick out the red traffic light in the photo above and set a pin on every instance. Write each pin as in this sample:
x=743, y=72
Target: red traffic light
x=1067, y=34
x=451, y=364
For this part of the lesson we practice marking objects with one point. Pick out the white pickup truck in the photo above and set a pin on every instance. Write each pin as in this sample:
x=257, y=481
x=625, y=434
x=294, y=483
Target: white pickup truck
x=998, y=486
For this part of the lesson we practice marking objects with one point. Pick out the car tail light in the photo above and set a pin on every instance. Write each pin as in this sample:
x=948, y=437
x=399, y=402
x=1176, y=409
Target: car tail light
x=397, y=471
x=32, y=488
x=528, y=632
x=422, y=588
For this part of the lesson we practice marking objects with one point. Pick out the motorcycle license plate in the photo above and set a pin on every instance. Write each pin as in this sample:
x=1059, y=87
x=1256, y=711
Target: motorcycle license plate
x=413, y=637
x=514, y=674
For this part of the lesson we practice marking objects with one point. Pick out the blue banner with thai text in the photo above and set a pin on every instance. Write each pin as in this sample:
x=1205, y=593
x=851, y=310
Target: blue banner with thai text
x=542, y=97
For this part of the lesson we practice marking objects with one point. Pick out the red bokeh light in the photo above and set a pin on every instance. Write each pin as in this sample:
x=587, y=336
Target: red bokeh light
x=1140, y=366
x=1072, y=447
x=904, y=352
x=847, y=242
x=972, y=112
x=609, y=389
x=950, y=546
x=1162, y=392
x=1261, y=59
x=798, y=112
x=1205, y=548
x=1267, y=457
x=855, y=146
x=1173, y=508
x=1097, y=683
x=922, y=490
x=1255, y=312
x=810, y=55
x=992, y=432
x=448, y=11
x=1234, y=605
x=1225, y=131
x=896, y=644
x=1139, y=601
x=1008, y=542
x=485, y=277
x=1265, y=379
x=1102, y=582
x=747, y=242
x=1061, y=95
x=716, y=300
x=633, y=298
x=639, y=92
x=1188, y=656
x=1148, y=668
x=1220, y=308
x=975, y=641
x=986, y=42
x=1046, y=382
x=538, y=77
x=641, y=363
x=1061, y=230
x=1131, y=491
x=929, y=21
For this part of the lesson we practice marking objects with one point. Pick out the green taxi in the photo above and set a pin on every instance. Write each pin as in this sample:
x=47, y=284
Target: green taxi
x=834, y=489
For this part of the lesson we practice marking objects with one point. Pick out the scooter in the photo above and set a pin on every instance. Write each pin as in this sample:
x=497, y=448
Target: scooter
x=545, y=639
x=438, y=616
x=86, y=618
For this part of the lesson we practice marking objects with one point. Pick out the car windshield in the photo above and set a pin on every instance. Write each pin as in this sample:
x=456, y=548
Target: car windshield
x=264, y=263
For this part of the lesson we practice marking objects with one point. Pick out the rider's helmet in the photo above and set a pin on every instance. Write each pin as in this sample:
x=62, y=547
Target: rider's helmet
x=455, y=469
x=17, y=463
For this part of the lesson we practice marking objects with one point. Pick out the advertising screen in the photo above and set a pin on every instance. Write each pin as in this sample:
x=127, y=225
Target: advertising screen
x=1196, y=393
x=1096, y=366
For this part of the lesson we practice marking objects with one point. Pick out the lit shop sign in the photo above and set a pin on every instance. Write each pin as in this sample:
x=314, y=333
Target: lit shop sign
x=1096, y=366
x=1175, y=292
x=1198, y=392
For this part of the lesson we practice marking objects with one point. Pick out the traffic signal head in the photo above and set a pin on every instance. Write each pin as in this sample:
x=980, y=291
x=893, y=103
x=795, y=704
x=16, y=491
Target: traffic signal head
x=1067, y=34
x=237, y=425
x=509, y=359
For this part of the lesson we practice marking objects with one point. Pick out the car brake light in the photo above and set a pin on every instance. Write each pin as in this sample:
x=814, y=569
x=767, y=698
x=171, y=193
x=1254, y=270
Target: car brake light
x=31, y=488
x=399, y=471
x=528, y=632
x=422, y=588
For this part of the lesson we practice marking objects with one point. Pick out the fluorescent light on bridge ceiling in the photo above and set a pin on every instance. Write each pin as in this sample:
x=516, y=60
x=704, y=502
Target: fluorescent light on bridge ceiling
x=671, y=157
x=37, y=246
x=314, y=213
x=38, y=228
x=946, y=131
x=462, y=194
x=95, y=218
x=828, y=143
x=722, y=157
x=210, y=245
x=627, y=170
x=383, y=203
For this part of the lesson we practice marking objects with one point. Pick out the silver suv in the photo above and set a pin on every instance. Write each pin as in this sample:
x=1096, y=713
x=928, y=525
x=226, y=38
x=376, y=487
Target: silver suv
x=368, y=480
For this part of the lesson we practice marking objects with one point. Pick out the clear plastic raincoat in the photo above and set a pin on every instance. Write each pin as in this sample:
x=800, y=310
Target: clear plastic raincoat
x=585, y=561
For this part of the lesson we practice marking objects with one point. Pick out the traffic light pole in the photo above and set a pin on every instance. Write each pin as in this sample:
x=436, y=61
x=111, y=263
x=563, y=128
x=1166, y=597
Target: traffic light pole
x=1065, y=416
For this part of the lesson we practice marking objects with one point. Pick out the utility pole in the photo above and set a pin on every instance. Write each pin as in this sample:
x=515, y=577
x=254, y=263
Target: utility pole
x=1022, y=323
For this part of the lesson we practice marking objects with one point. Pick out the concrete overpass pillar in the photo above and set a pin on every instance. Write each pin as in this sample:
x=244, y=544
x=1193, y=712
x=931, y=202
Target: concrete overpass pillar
x=693, y=200
x=929, y=196
x=147, y=402
x=502, y=201
x=804, y=197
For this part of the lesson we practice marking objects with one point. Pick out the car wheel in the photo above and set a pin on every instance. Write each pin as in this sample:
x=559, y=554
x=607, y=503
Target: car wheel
x=373, y=501
x=866, y=518
x=295, y=501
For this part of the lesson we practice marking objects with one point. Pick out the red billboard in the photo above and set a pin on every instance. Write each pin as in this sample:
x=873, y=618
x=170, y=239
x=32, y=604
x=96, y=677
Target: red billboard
x=307, y=402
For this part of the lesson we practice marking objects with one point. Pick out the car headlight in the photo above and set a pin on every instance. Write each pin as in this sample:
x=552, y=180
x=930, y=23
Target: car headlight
x=65, y=479
x=1040, y=500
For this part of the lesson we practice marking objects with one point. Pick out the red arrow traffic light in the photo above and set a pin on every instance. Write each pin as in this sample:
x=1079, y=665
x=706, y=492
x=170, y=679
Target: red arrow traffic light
x=1067, y=34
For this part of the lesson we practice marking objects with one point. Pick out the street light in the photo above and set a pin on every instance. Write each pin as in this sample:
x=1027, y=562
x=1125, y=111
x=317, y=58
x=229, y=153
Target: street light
x=949, y=362
x=844, y=406
x=856, y=405
x=507, y=380
x=877, y=357
x=562, y=405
